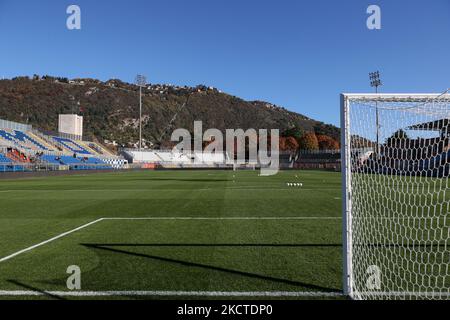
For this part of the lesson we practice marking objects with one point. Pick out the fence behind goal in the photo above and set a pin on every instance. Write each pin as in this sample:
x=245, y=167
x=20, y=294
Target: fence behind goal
x=396, y=164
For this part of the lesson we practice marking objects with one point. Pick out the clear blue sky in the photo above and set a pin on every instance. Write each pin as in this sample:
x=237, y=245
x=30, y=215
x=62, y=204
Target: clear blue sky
x=299, y=54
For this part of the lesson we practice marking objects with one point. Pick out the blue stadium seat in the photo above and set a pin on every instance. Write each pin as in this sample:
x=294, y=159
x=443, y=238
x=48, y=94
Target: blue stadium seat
x=77, y=163
x=51, y=159
x=7, y=165
x=4, y=159
x=20, y=137
x=71, y=145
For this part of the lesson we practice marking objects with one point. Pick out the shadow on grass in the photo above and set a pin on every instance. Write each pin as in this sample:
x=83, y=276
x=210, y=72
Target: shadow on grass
x=111, y=248
x=30, y=288
x=294, y=245
x=182, y=180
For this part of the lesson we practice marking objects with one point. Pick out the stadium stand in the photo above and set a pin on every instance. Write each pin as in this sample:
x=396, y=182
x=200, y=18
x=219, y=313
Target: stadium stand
x=24, y=148
x=22, y=139
x=169, y=158
x=95, y=148
x=326, y=159
x=71, y=146
x=207, y=157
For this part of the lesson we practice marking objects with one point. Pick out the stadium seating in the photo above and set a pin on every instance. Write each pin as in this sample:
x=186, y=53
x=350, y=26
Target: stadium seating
x=21, y=139
x=330, y=160
x=25, y=147
x=210, y=158
x=77, y=163
x=71, y=145
x=170, y=157
x=52, y=159
x=4, y=159
x=7, y=165
x=173, y=157
x=95, y=163
x=95, y=148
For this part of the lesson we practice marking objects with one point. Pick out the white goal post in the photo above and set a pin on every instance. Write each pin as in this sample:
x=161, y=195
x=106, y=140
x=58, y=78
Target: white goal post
x=396, y=195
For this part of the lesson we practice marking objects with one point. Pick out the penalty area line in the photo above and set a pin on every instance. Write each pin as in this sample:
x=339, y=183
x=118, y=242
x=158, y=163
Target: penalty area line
x=49, y=240
x=174, y=293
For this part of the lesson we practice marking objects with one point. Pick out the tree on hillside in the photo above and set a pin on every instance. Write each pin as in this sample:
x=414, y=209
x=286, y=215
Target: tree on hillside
x=288, y=144
x=399, y=135
x=327, y=143
x=295, y=132
x=399, y=140
x=309, y=141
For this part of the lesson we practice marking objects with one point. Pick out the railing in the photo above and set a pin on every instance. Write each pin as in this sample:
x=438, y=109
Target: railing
x=10, y=125
x=327, y=151
x=27, y=167
x=60, y=134
x=36, y=167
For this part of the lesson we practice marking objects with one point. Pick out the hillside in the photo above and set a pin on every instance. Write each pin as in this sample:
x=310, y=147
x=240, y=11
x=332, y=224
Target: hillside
x=111, y=109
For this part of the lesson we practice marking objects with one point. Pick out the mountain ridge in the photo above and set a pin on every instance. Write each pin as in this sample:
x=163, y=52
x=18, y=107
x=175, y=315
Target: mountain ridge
x=111, y=108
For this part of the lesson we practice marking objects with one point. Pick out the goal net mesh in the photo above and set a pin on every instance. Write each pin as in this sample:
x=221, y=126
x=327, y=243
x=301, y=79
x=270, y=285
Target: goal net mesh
x=398, y=196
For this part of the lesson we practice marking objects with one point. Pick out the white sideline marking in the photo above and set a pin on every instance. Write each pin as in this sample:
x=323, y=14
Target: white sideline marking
x=212, y=188
x=226, y=218
x=49, y=240
x=159, y=218
x=175, y=293
x=217, y=293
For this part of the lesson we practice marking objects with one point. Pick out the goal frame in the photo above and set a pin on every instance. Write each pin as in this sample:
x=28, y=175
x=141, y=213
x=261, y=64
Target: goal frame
x=345, y=99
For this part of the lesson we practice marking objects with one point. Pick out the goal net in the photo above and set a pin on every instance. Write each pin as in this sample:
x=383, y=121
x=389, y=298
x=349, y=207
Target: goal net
x=396, y=165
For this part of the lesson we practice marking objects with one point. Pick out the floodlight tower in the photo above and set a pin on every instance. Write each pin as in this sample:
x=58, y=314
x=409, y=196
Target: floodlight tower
x=375, y=82
x=141, y=81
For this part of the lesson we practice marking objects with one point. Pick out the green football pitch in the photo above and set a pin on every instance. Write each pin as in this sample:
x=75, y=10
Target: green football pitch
x=164, y=234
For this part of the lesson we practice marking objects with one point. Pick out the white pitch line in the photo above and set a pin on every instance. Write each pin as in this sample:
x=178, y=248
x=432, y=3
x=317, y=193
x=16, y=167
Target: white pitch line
x=212, y=188
x=175, y=293
x=49, y=240
x=225, y=218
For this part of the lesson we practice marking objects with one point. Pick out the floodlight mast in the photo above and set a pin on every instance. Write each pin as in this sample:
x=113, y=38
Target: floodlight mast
x=375, y=82
x=141, y=82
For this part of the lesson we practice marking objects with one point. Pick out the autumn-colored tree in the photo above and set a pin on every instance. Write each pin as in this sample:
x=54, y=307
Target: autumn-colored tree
x=288, y=144
x=327, y=143
x=309, y=141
